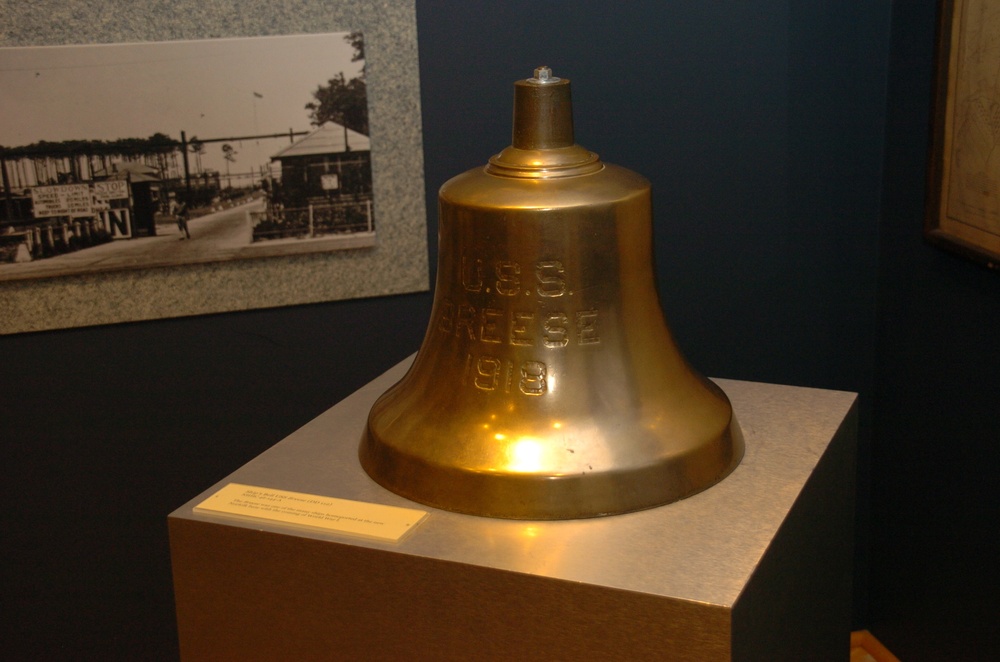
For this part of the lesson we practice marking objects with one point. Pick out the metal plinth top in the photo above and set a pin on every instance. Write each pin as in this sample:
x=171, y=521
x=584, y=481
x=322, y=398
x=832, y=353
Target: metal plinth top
x=703, y=548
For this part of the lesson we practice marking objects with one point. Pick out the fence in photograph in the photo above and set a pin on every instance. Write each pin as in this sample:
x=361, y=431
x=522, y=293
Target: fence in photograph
x=314, y=220
x=53, y=237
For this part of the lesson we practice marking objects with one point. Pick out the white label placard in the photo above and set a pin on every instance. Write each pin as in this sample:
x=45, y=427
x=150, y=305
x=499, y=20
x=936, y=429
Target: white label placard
x=368, y=520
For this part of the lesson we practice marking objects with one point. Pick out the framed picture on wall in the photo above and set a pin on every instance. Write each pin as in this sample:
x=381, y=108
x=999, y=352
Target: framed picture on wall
x=963, y=212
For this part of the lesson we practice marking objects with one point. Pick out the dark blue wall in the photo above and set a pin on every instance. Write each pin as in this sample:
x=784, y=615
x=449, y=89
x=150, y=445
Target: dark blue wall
x=936, y=456
x=104, y=431
x=762, y=128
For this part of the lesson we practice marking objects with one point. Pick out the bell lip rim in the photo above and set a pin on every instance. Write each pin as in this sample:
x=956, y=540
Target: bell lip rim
x=730, y=438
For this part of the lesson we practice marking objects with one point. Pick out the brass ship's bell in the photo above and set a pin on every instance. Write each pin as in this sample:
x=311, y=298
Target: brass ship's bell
x=548, y=385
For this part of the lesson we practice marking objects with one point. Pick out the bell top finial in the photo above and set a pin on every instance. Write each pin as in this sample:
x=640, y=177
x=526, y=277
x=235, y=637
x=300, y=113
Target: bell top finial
x=542, y=143
x=543, y=112
x=543, y=76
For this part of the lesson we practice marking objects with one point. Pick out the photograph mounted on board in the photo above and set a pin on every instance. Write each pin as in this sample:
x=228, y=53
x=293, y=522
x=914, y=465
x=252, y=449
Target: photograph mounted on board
x=143, y=155
x=162, y=179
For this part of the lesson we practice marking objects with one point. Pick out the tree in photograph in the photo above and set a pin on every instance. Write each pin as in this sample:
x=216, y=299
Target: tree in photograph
x=63, y=161
x=340, y=100
x=229, y=154
x=198, y=149
x=357, y=42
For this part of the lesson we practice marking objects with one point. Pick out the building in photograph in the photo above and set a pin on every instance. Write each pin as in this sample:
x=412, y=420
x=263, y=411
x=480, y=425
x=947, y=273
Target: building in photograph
x=332, y=163
x=325, y=186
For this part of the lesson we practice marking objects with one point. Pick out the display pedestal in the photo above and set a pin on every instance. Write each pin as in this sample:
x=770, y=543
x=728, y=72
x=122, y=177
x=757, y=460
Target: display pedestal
x=757, y=567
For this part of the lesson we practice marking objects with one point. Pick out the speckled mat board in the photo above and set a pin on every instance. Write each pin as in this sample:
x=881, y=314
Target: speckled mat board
x=107, y=284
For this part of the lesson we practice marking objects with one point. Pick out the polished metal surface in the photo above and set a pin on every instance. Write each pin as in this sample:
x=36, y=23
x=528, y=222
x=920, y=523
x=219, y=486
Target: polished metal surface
x=548, y=385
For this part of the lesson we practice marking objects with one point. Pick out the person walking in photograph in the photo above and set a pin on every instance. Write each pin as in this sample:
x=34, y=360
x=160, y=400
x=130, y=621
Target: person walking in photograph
x=180, y=212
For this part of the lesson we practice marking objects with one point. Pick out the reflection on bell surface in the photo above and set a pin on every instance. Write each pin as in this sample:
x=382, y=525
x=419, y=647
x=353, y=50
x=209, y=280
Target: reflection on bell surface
x=548, y=385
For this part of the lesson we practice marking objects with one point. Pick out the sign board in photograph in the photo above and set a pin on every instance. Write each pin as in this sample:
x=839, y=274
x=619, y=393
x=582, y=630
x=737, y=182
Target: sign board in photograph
x=62, y=200
x=115, y=189
x=329, y=182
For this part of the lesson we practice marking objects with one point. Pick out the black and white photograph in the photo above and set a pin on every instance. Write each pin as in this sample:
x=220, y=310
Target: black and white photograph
x=131, y=156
